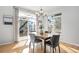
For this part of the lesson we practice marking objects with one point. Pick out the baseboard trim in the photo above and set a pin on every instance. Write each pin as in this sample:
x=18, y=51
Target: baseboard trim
x=8, y=43
x=76, y=46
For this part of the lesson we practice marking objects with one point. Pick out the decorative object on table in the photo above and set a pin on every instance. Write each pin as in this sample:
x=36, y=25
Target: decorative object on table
x=46, y=33
x=41, y=29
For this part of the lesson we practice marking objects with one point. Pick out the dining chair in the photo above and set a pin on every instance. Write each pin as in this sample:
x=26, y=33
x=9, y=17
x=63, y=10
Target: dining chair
x=54, y=42
x=34, y=39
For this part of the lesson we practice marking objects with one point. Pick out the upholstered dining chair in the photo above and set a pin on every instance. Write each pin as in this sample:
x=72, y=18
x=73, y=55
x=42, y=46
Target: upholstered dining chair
x=53, y=43
x=34, y=39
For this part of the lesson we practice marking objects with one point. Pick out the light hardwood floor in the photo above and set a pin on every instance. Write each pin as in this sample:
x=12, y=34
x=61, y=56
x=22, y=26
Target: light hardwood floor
x=23, y=47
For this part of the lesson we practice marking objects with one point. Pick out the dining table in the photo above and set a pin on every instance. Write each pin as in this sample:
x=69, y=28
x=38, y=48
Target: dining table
x=43, y=38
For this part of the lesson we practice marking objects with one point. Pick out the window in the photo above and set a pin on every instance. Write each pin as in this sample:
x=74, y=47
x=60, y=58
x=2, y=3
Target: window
x=31, y=23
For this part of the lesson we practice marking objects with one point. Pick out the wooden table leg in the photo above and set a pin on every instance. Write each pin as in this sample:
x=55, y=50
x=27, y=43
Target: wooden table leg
x=44, y=47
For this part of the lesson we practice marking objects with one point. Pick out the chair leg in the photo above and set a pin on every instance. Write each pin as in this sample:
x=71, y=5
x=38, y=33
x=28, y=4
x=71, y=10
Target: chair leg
x=41, y=45
x=59, y=48
x=55, y=49
x=50, y=49
x=29, y=45
x=33, y=47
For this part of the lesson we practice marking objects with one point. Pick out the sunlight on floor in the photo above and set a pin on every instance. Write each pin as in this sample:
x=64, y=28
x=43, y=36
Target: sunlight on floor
x=75, y=50
x=26, y=50
x=19, y=45
x=67, y=49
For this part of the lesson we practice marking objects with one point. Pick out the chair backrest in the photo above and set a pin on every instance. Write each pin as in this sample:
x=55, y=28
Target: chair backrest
x=55, y=40
x=32, y=37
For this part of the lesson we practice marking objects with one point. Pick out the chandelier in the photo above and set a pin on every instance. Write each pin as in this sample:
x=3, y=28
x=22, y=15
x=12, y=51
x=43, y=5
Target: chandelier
x=41, y=12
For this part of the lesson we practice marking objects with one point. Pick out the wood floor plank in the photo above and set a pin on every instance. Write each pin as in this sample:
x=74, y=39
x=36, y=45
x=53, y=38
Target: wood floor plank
x=23, y=47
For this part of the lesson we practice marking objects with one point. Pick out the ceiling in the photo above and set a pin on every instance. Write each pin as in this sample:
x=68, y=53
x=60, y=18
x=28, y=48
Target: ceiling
x=47, y=9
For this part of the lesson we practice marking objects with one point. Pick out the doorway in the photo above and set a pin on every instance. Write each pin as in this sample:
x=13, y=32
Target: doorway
x=26, y=24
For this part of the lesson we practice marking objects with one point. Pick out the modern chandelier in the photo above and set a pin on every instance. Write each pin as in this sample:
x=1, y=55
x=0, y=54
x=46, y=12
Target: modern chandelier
x=41, y=12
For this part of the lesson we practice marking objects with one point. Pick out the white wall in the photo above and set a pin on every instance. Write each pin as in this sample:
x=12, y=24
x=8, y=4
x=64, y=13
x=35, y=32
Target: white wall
x=6, y=31
x=70, y=25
